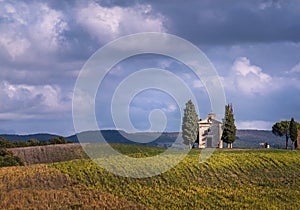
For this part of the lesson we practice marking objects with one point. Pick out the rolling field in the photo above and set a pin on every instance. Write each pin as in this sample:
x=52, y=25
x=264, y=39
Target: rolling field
x=42, y=187
x=230, y=179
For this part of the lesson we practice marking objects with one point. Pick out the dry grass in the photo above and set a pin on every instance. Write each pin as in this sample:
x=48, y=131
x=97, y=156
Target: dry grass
x=49, y=153
x=41, y=187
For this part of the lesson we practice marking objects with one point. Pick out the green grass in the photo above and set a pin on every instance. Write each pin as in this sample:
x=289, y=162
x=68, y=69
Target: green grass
x=133, y=149
x=256, y=179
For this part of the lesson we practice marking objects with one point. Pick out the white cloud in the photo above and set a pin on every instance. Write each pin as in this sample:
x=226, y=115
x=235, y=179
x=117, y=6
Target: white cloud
x=106, y=24
x=268, y=4
x=165, y=64
x=255, y=124
x=26, y=27
x=23, y=100
x=296, y=68
x=9, y=8
x=11, y=116
x=48, y=28
x=117, y=70
x=198, y=84
x=248, y=79
x=14, y=45
x=170, y=108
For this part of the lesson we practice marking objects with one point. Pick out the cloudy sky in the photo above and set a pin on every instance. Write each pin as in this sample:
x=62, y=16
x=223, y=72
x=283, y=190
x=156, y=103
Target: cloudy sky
x=254, y=46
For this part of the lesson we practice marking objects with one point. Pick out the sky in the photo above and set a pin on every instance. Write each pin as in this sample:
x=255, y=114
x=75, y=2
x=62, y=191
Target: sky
x=254, y=46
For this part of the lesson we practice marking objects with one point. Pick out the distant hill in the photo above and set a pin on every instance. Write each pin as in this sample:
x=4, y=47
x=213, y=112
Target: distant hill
x=252, y=138
x=115, y=136
x=245, y=138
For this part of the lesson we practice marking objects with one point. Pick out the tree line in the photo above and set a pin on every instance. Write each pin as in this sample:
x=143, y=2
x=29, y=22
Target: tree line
x=4, y=143
x=288, y=129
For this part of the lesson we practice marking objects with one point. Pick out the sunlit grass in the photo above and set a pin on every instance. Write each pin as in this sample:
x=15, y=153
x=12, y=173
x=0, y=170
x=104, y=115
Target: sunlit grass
x=256, y=179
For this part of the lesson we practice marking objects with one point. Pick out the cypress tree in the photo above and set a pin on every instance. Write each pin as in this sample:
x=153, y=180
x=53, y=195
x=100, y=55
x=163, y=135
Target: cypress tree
x=229, y=131
x=189, y=124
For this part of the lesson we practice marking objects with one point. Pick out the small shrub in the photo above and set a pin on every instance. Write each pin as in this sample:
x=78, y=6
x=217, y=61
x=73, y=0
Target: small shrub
x=8, y=159
x=33, y=142
x=58, y=140
x=5, y=152
x=4, y=143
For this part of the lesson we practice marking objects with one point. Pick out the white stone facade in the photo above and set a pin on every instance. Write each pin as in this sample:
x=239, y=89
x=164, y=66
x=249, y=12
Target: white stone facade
x=210, y=132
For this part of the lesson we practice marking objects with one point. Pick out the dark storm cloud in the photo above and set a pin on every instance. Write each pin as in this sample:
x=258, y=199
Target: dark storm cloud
x=233, y=22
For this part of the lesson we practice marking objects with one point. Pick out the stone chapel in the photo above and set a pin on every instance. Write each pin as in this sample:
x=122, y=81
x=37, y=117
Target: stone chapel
x=210, y=132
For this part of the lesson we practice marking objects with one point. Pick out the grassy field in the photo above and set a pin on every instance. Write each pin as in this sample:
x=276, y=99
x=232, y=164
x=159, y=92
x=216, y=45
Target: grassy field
x=230, y=179
x=41, y=187
x=257, y=179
